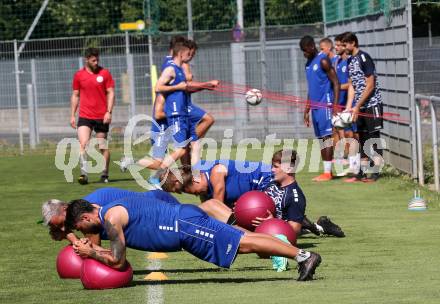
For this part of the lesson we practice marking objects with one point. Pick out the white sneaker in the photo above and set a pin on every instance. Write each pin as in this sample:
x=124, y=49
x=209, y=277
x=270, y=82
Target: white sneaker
x=125, y=162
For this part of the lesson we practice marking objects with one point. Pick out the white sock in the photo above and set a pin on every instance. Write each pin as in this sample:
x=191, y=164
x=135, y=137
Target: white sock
x=302, y=255
x=320, y=229
x=327, y=166
x=83, y=163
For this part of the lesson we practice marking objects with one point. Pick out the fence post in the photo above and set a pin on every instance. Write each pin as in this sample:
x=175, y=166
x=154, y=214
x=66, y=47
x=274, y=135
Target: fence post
x=434, y=143
x=130, y=74
x=419, y=143
x=34, y=86
x=31, y=127
x=17, y=90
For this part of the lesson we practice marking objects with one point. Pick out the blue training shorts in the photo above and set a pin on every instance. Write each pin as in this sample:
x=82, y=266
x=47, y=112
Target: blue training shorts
x=207, y=238
x=322, y=122
x=160, y=137
x=195, y=116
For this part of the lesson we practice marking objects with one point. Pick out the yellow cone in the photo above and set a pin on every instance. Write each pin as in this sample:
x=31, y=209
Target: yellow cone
x=157, y=256
x=156, y=276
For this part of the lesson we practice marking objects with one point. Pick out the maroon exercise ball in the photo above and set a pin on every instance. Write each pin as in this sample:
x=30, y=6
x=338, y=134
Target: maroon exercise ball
x=250, y=205
x=69, y=263
x=95, y=275
x=277, y=226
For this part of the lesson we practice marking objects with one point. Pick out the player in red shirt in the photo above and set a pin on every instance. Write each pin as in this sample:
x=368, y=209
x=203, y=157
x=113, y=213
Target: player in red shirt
x=93, y=90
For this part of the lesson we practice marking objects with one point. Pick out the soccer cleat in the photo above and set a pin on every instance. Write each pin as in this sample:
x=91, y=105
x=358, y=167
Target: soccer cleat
x=373, y=178
x=355, y=179
x=324, y=177
x=83, y=179
x=329, y=227
x=104, y=179
x=344, y=172
x=124, y=163
x=306, y=269
x=307, y=224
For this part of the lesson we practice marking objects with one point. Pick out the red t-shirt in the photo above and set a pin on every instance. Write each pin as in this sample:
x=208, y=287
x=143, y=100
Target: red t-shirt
x=92, y=92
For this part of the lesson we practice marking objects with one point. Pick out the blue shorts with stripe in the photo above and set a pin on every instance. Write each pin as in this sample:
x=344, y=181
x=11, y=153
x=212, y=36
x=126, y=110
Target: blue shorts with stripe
x=207, y=238
x=195, y=116
x=180, y=129
x=322, y=122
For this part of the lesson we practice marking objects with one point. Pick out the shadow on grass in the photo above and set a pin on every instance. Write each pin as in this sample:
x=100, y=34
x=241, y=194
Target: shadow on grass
x=209, y=280
x=199, y=270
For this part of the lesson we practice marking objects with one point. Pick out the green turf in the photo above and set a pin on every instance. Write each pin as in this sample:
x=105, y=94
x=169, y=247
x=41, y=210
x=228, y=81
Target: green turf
x=390, y=254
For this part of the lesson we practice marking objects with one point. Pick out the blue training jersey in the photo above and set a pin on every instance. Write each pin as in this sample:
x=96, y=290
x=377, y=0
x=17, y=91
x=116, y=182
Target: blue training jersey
x=104, y=196
x=148, y=220
x=242, y=176
x=166, y=61
x=341, y=67
x=176, y=103
x=319, y=85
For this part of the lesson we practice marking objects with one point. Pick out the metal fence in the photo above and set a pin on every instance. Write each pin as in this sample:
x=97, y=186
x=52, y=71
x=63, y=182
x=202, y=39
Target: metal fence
x=49, y=66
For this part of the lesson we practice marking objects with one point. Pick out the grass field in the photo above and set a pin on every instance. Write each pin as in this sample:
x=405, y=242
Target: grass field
x=390, y=255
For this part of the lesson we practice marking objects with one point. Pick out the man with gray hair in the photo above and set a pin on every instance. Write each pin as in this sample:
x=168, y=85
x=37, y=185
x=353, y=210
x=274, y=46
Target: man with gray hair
x=54, y=211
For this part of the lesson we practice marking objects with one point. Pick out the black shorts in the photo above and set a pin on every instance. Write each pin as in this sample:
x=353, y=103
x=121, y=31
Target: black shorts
x=373, y=121
x=94, y=124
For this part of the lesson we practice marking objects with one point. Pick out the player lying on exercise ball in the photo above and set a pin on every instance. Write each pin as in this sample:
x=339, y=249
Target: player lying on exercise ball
x=54, y=211
x=226, y=182
x=154, y=225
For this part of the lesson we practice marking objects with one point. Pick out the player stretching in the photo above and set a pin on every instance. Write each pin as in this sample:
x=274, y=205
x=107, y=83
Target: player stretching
x=93, y=91
x=155, y=225
x=323, y=95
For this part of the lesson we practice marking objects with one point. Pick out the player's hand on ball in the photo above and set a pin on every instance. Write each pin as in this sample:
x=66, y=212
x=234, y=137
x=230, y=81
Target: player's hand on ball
x=258, y=220
x=83, y=247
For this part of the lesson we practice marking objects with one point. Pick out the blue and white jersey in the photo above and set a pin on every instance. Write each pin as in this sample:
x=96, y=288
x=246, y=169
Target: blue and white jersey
x=361, y=66
x=319, y=85
x=176, y=103
x=290, y=201
x=242, y=176
x=166, y=61
x=341, y=67
x=152, y=223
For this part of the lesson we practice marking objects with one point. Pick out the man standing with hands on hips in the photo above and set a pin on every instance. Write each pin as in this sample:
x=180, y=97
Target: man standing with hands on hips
x=93, y=91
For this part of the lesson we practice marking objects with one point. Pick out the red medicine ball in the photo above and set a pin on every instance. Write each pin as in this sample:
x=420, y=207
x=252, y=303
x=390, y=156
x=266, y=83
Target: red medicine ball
x=95, y=275
x=277, y=226
x=69, y=263
x=250, y=205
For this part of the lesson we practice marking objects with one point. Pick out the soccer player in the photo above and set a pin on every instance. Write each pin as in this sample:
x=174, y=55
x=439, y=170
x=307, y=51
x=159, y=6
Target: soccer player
x=365, y=102
x=323, y=95
x=154, y=225
x=326, y=46
x=93, y=91
x=222, y=180
x=343, y=77
x=54, y=211
x=225, y=181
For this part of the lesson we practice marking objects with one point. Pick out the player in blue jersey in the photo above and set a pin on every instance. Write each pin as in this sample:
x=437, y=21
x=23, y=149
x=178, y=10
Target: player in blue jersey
x=54, y=211
x=322, y=99
x=154, y=225
x=222, y=180
x=365, y=102
x=341, y=66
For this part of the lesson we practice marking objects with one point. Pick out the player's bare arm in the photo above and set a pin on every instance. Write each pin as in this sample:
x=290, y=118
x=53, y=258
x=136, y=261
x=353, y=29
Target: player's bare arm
x=369, y=87
x=218, y=175
x=295, y=226
x=165, y=78
x=159, y=104
x=350, y=95
x=110, y=93
x=74, y=102
x=307, y=112
x=331, y=74
x=114, y=221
